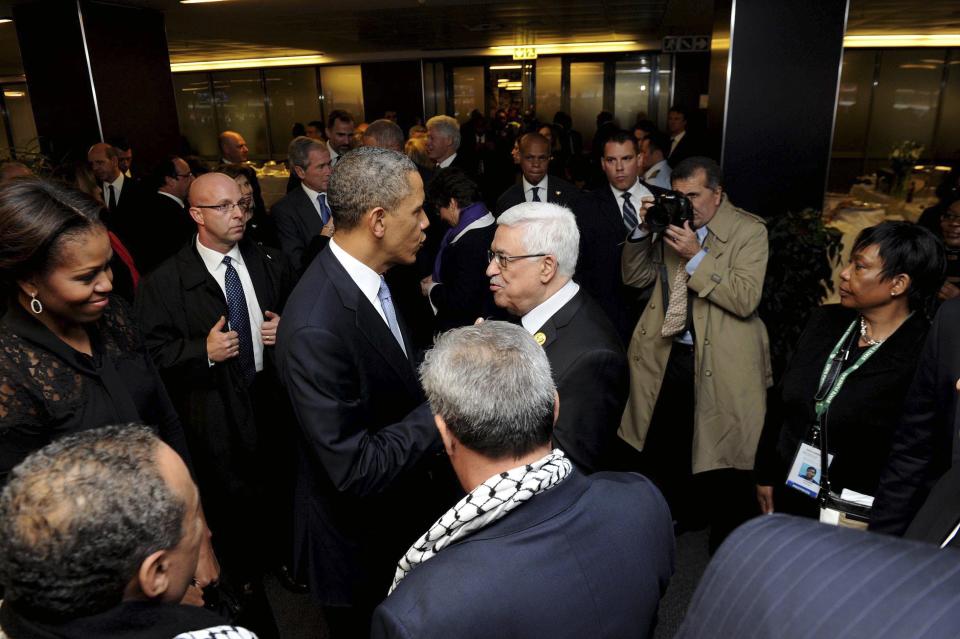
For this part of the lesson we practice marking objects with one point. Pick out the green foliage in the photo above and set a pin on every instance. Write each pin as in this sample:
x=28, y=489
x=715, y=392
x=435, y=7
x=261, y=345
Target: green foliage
x=799, y=275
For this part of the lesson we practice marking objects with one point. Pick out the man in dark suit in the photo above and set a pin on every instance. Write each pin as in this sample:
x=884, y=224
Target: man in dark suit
x=121, y=194
x=535, y=254
x=367, y=438
x=924, y=445
x=781, y=577
x=234, y=150
x=303, y=215
x=443, y=144
x=606, y=216
x=168, y=224
x=682, y=144
x=536, y=185
x=537, y=549
x=209, y=316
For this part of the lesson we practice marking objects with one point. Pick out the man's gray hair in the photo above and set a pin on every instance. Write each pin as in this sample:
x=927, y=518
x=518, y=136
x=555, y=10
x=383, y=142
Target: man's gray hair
x=386, y=134
x=491, y=384
x=298, y=152
x=447, y=127
x=78, y=518
x=548, y=228
x=366, y=178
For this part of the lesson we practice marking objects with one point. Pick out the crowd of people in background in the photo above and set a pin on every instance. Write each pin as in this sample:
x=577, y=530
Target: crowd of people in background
x=454, y=376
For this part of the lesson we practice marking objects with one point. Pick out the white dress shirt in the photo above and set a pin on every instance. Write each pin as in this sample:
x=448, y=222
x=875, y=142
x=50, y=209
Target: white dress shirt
x=637, y=191
x=213, y=260
x=536, y=318
x=312, y=196
x=528, y=189
x=658, y=175
x=447, y=162
x=366, y=279
x=675, y=140
x=334, y=156
x=117, y=189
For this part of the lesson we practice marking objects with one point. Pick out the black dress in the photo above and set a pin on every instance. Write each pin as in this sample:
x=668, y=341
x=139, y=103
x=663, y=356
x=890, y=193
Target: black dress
x=861, y=418
x=48, y=389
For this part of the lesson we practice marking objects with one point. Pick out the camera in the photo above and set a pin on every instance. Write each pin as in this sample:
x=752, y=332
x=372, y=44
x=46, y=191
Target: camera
x=670, y=208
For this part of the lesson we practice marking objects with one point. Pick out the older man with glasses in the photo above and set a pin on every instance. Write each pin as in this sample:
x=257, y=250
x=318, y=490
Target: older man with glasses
x=532, y=260
x=164, y=223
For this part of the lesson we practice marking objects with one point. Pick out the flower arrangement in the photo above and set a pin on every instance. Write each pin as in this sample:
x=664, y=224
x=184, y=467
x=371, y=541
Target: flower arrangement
x=903, y=157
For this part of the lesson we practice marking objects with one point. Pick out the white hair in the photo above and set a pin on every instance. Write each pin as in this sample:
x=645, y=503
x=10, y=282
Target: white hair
x=548, y=228
x=447, y=126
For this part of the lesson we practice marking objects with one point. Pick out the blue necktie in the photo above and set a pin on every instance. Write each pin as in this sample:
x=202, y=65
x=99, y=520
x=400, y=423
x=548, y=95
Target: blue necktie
x=629, y=213
x=324, y=209
x=387, y=304
x=536, y=194
x=239, y=321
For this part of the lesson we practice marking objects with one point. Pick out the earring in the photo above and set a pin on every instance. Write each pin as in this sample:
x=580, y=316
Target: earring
x=35, y=305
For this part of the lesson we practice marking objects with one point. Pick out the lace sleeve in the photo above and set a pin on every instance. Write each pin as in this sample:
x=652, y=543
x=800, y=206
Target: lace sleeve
x=29, y=379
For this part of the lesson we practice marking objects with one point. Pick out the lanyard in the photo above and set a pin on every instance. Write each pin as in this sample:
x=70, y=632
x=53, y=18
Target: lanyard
x=832, y=368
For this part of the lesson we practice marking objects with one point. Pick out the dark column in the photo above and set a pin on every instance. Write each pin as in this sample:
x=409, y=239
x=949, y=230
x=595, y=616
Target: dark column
x=775, y=68
x=97, y=70
x=393, y=86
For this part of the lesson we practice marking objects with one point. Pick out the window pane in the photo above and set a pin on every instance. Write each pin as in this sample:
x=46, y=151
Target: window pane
x=947, y=145
x=240, y=108
x=586, y=97
x=342, y=89
x=195, y=111
x=21, y=118
x=664, y=89
x=632, y=92
x=548, y=87
x=905, y=101
x=853, y=101
x=292, y=97
x=467, y=92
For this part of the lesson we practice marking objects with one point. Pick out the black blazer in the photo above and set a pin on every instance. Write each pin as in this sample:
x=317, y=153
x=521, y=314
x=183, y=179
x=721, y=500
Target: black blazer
x=924, y=443
x=590, y=370
x=168, y=227
x=780, y=577
x=602, y=235
x=590, y=557
x=863, y=415
x=463, y=293
x=687, y=147
x=298, y=224
x=561, y=192
x=363, y=492
x=940, y=513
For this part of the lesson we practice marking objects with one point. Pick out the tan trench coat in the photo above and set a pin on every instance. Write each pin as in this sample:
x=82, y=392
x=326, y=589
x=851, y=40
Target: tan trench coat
x=731, y=352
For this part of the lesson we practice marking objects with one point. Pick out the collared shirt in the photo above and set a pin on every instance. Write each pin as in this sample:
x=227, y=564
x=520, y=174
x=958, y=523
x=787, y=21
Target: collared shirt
x=637, y=191
x=172, y=197
x=366, y=279
x=658, y=175
x=334, y=155
x=117, y=188
x=312, y=196
x=447, y=162
x=213, y=260
x=675, y=140
x=528, y=189
x=536, y=318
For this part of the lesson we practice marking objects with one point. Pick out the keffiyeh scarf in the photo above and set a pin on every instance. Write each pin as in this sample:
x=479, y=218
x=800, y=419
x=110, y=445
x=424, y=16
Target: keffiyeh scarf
x=485, y=504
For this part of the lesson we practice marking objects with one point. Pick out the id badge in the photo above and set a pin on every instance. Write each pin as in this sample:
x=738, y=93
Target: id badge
x=805, y=470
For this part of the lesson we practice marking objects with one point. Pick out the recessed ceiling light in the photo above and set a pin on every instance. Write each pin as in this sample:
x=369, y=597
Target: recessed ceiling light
x=3, y=20
x=200, y=1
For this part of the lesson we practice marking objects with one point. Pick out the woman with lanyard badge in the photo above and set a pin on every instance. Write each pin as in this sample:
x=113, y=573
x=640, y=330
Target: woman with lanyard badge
x=850, y=372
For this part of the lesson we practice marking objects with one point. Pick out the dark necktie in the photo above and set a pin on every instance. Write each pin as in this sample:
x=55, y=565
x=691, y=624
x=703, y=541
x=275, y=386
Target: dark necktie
x=239, y=321
x=324, y=209
x=629, y=213
x=112, y=201
x=536, y=194
x=386, y=302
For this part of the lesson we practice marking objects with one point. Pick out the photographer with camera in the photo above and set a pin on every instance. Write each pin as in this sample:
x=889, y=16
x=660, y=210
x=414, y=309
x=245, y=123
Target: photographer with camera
x=699, y=362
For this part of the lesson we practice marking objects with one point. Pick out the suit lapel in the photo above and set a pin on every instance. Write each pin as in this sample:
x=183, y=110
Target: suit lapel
x=552, y=328
x=610, y=210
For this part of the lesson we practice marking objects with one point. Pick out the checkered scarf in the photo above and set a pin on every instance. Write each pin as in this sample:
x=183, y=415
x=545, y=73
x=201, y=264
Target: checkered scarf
x=485, y=504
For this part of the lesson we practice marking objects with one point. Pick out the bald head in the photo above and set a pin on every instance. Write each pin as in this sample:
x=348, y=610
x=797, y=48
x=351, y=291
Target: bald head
x=217, y=229
x=208, y=183
x=233, y=147
x=103, y=161
x=384, y=134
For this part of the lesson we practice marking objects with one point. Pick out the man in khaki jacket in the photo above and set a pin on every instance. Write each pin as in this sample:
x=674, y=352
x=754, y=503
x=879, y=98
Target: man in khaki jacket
x=699, y=360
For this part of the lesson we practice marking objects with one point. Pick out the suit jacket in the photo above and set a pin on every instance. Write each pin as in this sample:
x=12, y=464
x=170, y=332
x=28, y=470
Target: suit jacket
x=298, y=224
x=463, y=293
x=590, y=370
x=364, y=492
x=602, y=237
x=590, y=557
x=560, y=192
x=780, y=577
x=731, y=350
x=687, y=147
x=168, y=227
x=128, y=220
x=925, y=438
x=940, y=513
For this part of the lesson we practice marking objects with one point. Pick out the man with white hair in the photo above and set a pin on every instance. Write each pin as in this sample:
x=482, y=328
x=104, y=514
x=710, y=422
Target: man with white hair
x=532, y=260
x=443, y=140
x=533, y=531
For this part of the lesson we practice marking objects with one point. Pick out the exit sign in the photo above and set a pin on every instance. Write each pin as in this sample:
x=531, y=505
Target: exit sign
x=524, y=53
x=684, y=44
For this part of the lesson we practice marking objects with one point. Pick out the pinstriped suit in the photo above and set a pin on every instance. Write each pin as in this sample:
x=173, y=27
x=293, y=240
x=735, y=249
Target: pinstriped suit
x=789, y=578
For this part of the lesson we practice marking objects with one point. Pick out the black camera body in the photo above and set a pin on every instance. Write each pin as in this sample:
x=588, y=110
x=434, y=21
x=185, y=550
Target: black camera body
x=669, y=208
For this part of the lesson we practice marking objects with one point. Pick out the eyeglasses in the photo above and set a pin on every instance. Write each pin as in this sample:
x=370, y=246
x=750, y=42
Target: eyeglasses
x=950, y=217
x=222, y=209
x=503, y=261
x=180, y=176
